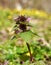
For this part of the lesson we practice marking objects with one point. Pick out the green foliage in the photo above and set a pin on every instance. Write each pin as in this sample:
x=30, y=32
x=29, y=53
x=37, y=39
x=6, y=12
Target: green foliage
x=27, y=36
x=12, y=53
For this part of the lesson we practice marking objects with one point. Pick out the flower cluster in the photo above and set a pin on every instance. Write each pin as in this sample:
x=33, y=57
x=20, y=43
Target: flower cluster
x=22, y=22
x=20, y=18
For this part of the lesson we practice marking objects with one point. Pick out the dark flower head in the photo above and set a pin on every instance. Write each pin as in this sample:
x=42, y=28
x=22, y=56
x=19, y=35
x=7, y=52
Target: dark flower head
x=22, y=22
x=20, y=19
x=22, y=27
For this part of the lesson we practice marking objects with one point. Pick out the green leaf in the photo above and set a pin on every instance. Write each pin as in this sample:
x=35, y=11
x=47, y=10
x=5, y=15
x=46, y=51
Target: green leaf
x=39, y=56
x=21, y=50
x=27, y=36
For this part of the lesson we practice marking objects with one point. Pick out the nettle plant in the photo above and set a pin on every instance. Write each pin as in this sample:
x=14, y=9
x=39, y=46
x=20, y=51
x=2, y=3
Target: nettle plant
x=22, y=28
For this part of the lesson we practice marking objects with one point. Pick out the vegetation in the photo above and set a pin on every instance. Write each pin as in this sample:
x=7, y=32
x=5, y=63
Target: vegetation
x=14, y=49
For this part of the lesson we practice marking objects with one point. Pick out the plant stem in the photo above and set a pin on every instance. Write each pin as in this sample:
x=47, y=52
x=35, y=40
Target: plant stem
x=31, y=57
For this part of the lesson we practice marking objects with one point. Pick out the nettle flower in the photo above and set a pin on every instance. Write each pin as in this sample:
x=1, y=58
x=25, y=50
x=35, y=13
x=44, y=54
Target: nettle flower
x=20, y=19
x=21, y=23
